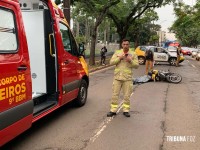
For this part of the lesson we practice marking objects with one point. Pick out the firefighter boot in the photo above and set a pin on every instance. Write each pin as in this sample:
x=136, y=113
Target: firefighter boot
x=110, y=114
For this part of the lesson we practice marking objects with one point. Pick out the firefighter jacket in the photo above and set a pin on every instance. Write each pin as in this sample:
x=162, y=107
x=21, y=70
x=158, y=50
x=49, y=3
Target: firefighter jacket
x=124, y=70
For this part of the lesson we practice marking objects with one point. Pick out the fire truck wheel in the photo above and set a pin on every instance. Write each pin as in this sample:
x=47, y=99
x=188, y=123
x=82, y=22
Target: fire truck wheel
x=82, y=94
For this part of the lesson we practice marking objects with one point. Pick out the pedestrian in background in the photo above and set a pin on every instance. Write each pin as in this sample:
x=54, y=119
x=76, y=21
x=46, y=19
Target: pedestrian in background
x=178, y=55
x=149, y=57
x=124, y=60
x=103, y=55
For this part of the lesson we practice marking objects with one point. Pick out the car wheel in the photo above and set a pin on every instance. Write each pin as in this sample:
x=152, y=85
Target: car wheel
x=82, y=94
x=172, y=61
x=141, y=60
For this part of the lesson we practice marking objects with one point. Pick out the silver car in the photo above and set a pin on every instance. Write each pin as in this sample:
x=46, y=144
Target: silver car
x=194, y=52
x=198, y=55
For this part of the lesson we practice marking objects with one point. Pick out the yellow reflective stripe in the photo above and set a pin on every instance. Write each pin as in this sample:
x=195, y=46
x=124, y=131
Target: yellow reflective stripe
x=114, y=105
x=127, y=71
x=126, y=106
x=116, y=60
x=116, y=70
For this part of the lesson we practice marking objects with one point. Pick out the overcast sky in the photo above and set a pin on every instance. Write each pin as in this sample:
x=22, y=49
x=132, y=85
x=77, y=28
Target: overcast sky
x=166, y=15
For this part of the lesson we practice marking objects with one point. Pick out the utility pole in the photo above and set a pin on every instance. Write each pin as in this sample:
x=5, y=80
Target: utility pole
x=66, y=10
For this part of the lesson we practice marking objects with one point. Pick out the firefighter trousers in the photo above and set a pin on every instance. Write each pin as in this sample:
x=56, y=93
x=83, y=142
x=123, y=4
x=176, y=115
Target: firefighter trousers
x=127, y=89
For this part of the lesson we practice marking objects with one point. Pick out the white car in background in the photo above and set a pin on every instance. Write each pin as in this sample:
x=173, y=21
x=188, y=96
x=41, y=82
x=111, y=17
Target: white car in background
x=164, y=55
x=194, y=52
x=198, y=55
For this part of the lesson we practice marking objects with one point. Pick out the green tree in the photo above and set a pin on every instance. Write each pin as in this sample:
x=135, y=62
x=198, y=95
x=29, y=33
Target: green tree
x=98, y=10
x=143, y=30
x=187, y=25
x=66, y=7
x=127, y=12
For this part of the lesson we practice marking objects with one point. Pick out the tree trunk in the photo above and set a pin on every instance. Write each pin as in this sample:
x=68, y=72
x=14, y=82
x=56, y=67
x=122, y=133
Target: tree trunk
x=104, y=37
x=122, y=35
x=87, y=30
x=122, y=32
x=93, y=44
x=136, y=43
x=66, y=5
x=108, y=33
x=77, y=28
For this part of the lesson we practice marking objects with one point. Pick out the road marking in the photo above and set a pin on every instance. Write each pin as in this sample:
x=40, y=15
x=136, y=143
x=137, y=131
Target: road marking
x=103, y=126
x=193, y=66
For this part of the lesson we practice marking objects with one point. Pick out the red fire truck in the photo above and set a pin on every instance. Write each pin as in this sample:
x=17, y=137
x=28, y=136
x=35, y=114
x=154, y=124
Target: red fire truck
x=41, y=65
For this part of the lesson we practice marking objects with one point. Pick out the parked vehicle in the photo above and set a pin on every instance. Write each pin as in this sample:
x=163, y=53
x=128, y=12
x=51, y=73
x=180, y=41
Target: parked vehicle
x=170, y=43
x=163, y=55
x=198, y=56
x=140, y=51
x=42, y=67
x=160, y=54
x=194, y=52
x=186, y=51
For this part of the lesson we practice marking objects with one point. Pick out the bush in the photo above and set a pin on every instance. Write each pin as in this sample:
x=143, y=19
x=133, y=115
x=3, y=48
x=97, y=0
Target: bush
x=80, y=39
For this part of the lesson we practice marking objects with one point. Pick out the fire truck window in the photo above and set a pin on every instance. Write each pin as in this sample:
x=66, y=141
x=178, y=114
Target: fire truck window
x=8, y=36
x=74, y=45
x=68, y=40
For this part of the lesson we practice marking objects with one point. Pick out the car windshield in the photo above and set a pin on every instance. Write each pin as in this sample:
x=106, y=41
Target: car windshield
x=193, y=49
x=171, y=48
x=143, y=48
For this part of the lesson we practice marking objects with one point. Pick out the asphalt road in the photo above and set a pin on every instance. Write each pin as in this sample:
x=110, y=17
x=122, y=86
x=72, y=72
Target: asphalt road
x=161, y=114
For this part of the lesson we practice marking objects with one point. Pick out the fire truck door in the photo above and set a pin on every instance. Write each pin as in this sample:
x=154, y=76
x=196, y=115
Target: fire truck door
x=16, y=106
x=70, y=80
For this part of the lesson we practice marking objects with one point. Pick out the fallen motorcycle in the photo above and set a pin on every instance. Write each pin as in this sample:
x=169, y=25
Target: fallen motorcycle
x=160, y=75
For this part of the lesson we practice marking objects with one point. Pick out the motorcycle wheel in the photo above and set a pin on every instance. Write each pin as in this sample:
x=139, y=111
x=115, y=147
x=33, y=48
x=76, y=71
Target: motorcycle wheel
x=174, y=78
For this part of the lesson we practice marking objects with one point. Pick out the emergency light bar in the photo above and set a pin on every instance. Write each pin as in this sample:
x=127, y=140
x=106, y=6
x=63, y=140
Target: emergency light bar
x=30, y=4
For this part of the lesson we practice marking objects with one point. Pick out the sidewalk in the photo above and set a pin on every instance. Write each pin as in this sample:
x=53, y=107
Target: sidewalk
x=97, y=65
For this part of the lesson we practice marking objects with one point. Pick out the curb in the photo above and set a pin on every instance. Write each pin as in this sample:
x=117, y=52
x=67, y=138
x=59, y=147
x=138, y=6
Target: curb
x=99, y=68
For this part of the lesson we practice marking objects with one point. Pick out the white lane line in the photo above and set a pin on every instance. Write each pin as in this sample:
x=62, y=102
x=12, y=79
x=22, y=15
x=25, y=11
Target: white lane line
x=103, y=126
x=193, y=66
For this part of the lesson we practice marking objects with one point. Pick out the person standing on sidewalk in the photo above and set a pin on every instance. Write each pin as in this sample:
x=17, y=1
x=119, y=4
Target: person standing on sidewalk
x=125, y=60
x=103, y=55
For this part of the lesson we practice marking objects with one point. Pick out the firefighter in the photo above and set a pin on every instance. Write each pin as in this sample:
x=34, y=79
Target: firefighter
x=125, y=60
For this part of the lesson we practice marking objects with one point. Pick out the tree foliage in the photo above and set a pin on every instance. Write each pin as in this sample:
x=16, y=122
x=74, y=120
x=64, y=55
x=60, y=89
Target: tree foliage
x=143, y=30
x=125, y=13
x=98, y=10
x=187, y=25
